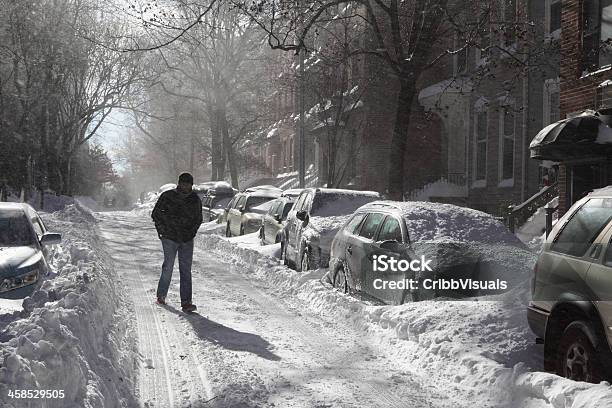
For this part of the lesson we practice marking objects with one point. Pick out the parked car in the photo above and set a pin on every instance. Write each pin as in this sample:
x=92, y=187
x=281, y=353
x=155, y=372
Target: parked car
x=273, y=221
x=313, y=221
x=202, y=189
x=570, y=310
x=244, y=216
x=24, y=239
x=216, y=200
x=454, y=242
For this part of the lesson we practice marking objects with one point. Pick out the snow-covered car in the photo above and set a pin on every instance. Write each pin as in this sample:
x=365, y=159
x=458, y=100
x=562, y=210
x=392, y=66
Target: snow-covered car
x=571, y=306
x=386, y=244
x=216, y=200
x=23, y=249
x=273, y=221
x=244, y=216
x=313, y=221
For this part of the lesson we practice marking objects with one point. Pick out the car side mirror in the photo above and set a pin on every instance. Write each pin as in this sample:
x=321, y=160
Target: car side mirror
x=50, y=238
x=302, y=215
x=391, y=245
x=241, y=209
x=277, y=217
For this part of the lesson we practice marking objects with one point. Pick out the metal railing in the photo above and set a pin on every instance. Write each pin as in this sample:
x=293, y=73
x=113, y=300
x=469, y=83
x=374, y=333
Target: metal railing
x=518, y=214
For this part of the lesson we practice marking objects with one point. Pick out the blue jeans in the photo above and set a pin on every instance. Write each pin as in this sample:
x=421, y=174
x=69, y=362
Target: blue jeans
x=185, y=255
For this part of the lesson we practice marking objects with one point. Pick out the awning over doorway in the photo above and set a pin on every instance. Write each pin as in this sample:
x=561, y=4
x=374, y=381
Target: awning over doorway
x=587, y=135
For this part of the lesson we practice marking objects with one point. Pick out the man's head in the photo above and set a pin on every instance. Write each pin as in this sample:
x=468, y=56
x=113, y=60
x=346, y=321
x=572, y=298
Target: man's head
x=185, y=183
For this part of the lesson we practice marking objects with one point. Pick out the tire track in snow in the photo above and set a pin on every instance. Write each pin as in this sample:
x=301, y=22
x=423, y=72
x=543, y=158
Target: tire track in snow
x=310, y=338
x=166, y=374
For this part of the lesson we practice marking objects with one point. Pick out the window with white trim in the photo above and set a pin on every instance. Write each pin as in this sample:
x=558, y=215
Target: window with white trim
x=508, y=37
x=604, y=95
x=481, y=119
x=507, y=126
x=485, y=34
x=461, y=58
x=552, y=20
x=596, y=34
x=551, y=102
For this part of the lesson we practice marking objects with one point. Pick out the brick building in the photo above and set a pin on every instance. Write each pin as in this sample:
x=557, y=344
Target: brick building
x=469, y=133
x=585, y=90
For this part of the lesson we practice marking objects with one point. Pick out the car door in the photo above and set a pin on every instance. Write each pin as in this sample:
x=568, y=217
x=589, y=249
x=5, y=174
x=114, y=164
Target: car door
x=599, y=279
x=235, y=215
x=389, y=243
x=269, y=222
x=359, y=252
x=564, y=263
x=292, y=228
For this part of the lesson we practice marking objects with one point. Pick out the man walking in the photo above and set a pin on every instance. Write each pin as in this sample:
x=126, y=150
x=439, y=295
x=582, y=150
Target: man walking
x=177, y=216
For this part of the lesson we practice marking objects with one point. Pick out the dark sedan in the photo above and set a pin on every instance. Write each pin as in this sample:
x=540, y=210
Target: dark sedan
x=402, y=251
x=23, y=252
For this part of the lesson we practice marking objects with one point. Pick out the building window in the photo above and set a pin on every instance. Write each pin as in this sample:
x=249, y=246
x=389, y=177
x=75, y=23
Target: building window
x=604, y=95
x=506, y=151
x=460, y=59
x=551, y=101
x=510, y=21
x=552, y=20
x=596, y=34
x=480, y=145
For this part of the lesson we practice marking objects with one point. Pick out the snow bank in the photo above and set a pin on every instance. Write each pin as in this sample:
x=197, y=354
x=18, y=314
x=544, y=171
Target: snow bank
x=533, y=232
x=74, y=334
x=482, y=349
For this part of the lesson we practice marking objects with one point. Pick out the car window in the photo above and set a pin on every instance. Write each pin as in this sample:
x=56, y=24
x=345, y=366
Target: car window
x=298, y=204
x=370, y=225
x=15, y=229
x=286, y=209
x=37, y=228
x=353, y=224
x=307, y=204
x=241, y=202
x=219, y=203
x=255, y=201
x=390, y=230
x=608, y=255
x=274, y=208
x=583, y=227
x=328, y=204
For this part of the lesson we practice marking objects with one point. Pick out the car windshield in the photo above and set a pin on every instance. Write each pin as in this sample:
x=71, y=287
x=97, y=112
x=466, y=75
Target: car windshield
x=221, y=202
x=255, y=201
x=15, y=229
x=332, y=204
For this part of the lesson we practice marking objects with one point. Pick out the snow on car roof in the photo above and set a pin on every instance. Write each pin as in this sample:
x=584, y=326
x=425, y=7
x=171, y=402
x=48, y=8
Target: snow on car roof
x=437, y=221
x=264, y=193
x=347, y=192
x=604, y=191
x=292, y=192
x=12, y=206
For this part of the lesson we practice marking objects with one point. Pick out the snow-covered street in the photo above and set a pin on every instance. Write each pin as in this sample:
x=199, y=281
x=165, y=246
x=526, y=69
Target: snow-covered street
x=246, y=346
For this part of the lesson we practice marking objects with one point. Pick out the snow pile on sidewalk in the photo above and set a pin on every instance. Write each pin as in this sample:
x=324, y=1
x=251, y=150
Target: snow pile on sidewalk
x=74, y=334
x=533, y=232
x=482, y=349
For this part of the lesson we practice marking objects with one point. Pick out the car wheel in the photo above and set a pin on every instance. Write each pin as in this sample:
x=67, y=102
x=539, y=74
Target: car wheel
x=340, y=282
x=228, y=232
x=577, y=358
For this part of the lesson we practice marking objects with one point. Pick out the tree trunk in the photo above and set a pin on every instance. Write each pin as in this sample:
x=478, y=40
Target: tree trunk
x=228, y=148
x=399, y=141
x=216, y=148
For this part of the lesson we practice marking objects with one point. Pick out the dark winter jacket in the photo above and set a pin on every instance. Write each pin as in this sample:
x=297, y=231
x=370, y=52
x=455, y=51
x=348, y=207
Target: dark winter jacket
x=177, y=216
